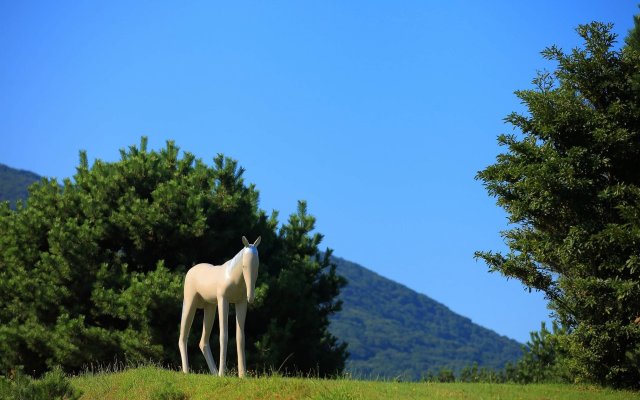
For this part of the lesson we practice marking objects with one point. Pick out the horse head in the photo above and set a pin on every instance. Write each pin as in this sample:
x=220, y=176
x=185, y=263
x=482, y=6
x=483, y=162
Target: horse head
x=250, y=265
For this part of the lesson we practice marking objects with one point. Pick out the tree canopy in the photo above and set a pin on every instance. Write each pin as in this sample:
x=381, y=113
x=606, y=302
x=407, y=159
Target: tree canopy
x=91, y=270
x=570, y=183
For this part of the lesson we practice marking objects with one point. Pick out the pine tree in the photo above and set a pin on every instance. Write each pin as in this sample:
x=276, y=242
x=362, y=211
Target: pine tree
x=544, y=358
x=570, y=183
x=91, y=271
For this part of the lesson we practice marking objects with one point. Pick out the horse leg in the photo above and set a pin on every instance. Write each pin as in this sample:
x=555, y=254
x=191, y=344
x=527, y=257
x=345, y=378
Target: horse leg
x=223, y=313
x=241, y=313
x=188, y=311
x=207, y=325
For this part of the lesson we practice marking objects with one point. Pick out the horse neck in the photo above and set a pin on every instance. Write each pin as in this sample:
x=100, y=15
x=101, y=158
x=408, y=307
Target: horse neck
x=234, y=268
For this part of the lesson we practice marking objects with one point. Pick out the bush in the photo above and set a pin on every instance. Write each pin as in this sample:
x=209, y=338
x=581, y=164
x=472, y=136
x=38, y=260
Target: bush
x=444, y=375
x=54, y=385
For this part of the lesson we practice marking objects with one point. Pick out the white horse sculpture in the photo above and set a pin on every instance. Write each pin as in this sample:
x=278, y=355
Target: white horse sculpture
x=207, y=286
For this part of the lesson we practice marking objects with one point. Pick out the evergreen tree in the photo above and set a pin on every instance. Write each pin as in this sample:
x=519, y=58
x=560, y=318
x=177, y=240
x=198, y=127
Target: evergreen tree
x=570, y=183
x=91, y=271
x=544, y=358
x=633, y=38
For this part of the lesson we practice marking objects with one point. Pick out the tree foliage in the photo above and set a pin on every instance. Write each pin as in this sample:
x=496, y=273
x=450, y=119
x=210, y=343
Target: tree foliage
x=570, y=183
x=91, y=271
x=54, y=385
x=543, y=359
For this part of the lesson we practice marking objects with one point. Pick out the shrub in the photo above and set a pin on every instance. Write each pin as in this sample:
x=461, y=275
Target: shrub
x=54, y=385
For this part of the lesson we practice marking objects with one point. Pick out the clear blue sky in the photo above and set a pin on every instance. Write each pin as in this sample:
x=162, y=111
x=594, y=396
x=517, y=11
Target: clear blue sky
x=378, y=113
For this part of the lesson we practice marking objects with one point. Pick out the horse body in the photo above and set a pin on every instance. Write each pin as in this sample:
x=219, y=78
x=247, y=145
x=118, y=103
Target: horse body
x=202, y=278
x=209, y=286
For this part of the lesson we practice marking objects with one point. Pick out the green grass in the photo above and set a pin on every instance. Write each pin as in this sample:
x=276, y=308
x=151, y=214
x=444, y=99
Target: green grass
x=156, y=383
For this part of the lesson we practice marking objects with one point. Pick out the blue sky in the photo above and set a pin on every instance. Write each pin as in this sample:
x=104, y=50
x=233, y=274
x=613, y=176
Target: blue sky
x=379, y=114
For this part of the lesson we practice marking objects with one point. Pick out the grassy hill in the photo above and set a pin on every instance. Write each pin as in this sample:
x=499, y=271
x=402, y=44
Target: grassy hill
x=393, y=331
x=154, y=383
x=14, y=183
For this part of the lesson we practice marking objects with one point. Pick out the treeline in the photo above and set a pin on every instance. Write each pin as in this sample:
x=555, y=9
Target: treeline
x=544, y=360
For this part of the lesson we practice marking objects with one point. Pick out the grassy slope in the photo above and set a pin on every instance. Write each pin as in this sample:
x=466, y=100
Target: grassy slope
x=151, y=382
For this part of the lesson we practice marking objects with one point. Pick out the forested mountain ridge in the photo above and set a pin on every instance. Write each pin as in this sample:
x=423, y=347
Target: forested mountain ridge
x=14, y=183
x=391, y=330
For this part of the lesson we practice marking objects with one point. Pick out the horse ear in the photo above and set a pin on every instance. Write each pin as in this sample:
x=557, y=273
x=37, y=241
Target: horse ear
x=257, y=242
x=245, y=242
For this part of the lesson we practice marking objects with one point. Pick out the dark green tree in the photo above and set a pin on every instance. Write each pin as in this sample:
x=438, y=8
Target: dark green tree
x=633, y=38
x=446, y=375
x=544, y=358
x=91, y=271
x=570, y=183
x=302, y=286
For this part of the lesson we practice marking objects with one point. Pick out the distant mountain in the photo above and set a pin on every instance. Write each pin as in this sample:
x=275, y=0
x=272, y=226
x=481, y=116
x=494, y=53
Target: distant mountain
x=393, y=331
x=14, y=183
